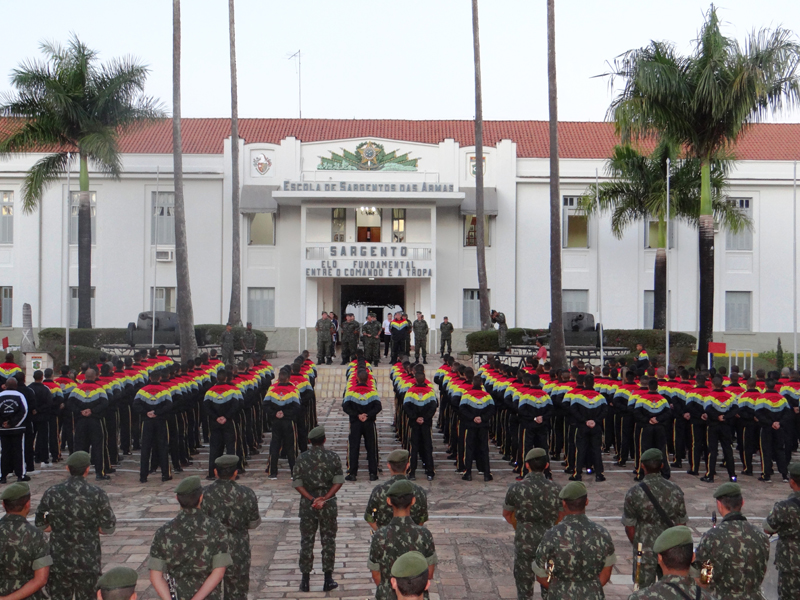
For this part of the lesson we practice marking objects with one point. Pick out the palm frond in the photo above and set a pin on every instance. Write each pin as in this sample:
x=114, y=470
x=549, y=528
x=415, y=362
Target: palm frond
x=39, y=177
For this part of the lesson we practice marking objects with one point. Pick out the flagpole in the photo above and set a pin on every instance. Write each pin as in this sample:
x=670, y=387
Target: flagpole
x=599, y=276
x=155, y=262
x=666, y=283
x=65, y=259
x=794, y=261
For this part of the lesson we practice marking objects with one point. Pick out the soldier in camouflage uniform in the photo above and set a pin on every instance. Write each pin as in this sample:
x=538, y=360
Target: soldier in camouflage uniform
x=75, y=513
x=577, y=553
x=192, y=549
x=325, y=331
x=502, y=330
x=737, y=550
x=420, y=329
x=226, y=341
x=350, y=333
x=784, y=519
x=531, y=507
x=118, y=583
x=378, y=512
x=249, y=341
x=236, y=507
x=401, y=535
x=446, y=331
x=24, y=554
x=317, y=476
x=643, y=521
x=371, y=334
x=674, y=550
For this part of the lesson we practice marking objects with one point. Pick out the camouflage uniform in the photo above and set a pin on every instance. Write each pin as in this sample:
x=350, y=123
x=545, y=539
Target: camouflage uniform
x=502, y=331
x=372, y=345
x=784, y=519
x=236, y=507
x=23, y=550
x=401, y=535
x=249, y=341
x=324, y=340
x=580, y=549
x=640, y=514
x=665, y=589
x=317, y=470
x=350, y=331
x=420, y=329
x=379, y=512
x=535, y=504
x=75, y=510
x=188, y=548
x=446, y=331
x=226, y=341
x=739, y=552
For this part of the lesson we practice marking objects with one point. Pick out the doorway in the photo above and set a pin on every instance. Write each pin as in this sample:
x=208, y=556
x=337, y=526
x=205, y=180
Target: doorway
x=368, y=225
x=372, y=297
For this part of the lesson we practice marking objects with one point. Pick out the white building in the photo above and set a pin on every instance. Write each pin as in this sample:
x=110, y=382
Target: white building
x=334, y=212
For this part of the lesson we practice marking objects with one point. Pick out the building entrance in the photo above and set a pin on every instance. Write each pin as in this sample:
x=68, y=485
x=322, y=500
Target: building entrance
x=379, y=298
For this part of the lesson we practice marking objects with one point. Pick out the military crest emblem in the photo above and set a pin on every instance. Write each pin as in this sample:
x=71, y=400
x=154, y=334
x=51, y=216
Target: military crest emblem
x=262, y=163
x=473, y=164
x=368, y=156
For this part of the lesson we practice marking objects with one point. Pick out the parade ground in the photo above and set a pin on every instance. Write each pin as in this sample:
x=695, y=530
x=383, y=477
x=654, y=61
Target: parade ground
x=473, y=542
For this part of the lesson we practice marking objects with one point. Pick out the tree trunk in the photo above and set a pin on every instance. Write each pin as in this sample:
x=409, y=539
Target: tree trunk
x=558, y=356
x=660, y=279
x=235, y=312
x=483, y=284
x=84, y=248
x=706, y=254
x=184, y=300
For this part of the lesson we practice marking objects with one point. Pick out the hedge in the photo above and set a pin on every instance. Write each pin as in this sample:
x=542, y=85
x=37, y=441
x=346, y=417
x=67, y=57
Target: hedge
x=486, y=341
x=212, y=334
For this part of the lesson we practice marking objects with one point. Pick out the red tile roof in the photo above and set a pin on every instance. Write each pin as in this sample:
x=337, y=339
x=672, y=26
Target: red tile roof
x=576, y=140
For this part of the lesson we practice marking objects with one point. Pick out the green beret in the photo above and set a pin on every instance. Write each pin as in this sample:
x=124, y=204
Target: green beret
x=118, y=577
x=401, y=487
x=728, y=489
x=535, y=453
x=794, y=469
x=16, y=491
x=372, y=314
x=398, y=456
x=652, y=454
x=79, y=460
x=410, y=564
x=188, y=485
x=227, y=460
x=317, y=433
x=573, y=490
x=674, y=536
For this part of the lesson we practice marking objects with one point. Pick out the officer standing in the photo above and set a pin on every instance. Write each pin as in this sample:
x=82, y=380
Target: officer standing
x=400, y=332
x=419, y=406
x=736, y=550
x=14, y=415
x=784, y=519
x=317, y=477
x=371, y=334
x=350, y=334
x=420, y=329
x=193, y=549
x=362, y=404
x=75, y=513
x=575, y=558
x=236, y=507
x=226, y=341
x=282, y=407
x=446, y=333
x=24, y=554
x=118, y=583
x=221, y=404
x=502, y=330
x=153, y=403
x=531, y=508
x=88, y=403
x=325, y=330
x=378, y=512
x=249, y=341
x=651, y=507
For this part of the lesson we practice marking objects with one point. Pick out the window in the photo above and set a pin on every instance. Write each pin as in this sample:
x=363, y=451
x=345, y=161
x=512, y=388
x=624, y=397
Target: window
x=73, y=306
x=6, y=217
x=7, y=306
x=575, y=300
x=472, y=309
x=162, y=225
x=261, y=307
x=165, y=299
x=338, y=224
x=262, y=229
x=574, y=226
x=737, y=311
x=742, y=240
x=649, y=308
x=75, y=199
x=398, y=225
x=471, y=231
x=651, y=234
x=368, y=224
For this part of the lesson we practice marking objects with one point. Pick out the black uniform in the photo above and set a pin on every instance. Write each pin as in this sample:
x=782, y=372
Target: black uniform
x=154, y=436
x=13, y=418
x=89, y=435
x=362, y=399
x=41, y=420
x=420, y=402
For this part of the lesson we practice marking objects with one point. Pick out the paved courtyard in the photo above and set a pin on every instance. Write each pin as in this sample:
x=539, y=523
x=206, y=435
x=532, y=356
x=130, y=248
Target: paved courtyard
x=473, y=542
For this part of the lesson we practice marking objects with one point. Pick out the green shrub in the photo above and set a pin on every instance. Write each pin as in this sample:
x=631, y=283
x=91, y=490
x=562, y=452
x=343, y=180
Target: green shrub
x=779, y=358
x=486, y=341
x=212, y=334
x=89, y=338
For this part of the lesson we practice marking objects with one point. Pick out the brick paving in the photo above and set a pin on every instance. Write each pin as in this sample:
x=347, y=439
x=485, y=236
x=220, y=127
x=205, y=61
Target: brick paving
x=473, y=542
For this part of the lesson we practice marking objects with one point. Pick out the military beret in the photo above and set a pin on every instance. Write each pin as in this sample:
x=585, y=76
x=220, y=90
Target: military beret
x=317, y=433
x=79, y=460
x=674, y=536
x=652, y=454
x=410, y=564
x=398, y=456
x=188, y=485
x=118, y=577
x=401, y=487
x=572, y=491
x=372, y=314
x=16, y=491
x=794, y=469
x=227, y=460
x=535, y=453
x=728, y=489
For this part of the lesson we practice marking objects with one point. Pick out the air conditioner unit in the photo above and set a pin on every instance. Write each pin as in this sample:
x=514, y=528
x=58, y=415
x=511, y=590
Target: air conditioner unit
x=165, y=255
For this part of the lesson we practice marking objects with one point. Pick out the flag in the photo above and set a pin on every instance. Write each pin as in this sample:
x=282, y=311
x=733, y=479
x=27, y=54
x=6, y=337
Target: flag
x=5, y=343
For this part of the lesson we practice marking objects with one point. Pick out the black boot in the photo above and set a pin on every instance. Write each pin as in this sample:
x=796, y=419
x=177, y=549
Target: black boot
x=329, y=584
x=305, y=582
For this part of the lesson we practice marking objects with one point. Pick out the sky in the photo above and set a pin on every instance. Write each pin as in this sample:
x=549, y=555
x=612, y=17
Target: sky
x=377, y=59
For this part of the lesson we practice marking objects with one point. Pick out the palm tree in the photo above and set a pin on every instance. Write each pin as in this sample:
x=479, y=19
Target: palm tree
x=637, y=191
x=235, y=311
x=558, y=353
x=483, y=285
x=704, y=102
x=72, y=103
x=184, y=300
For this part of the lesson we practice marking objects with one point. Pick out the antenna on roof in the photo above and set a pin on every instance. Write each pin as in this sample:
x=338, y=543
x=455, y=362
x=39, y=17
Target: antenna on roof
x=299, y=81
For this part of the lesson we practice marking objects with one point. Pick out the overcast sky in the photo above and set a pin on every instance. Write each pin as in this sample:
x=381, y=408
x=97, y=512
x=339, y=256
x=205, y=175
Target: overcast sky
x=378, y=59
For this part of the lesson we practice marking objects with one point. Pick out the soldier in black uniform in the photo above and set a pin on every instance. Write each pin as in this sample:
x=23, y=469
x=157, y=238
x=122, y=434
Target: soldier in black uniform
x=14, y=414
